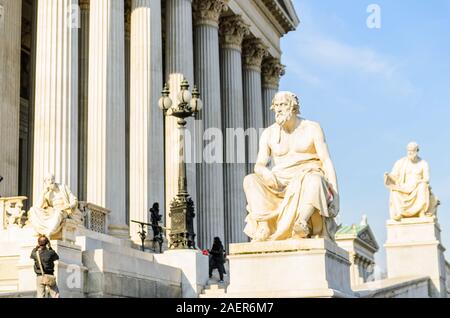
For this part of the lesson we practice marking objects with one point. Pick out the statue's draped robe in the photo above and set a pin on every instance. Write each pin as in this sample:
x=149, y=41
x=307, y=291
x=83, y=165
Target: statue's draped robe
x=300, y=182
x=48, y=216
x=411, y=195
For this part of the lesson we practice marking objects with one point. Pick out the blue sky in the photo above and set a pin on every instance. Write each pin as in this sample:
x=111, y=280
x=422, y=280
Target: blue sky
x=373, y=91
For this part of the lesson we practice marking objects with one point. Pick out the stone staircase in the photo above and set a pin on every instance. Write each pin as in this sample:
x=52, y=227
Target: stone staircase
x=214, y=289
x=31, y=294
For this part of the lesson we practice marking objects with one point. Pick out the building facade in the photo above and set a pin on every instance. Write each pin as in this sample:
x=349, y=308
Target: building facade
x=80, y=82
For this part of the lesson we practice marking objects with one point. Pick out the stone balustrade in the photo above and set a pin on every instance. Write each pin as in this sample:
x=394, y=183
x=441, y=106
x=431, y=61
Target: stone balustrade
x=95, y=217
x=11, y=212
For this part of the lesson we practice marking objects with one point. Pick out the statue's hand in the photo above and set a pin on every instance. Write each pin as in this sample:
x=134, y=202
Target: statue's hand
x=270, y=179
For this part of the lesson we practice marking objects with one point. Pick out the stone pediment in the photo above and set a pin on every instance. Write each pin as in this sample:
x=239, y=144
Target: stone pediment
x=362, y=232
x=284, y=12
x=366, y=235
x=288, y=6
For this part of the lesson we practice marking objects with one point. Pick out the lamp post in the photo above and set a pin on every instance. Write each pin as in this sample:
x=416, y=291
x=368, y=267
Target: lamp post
x=182, y=214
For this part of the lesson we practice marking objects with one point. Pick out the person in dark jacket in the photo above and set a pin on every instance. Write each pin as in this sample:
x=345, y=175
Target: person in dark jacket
x=48, y=257
x=217, y=259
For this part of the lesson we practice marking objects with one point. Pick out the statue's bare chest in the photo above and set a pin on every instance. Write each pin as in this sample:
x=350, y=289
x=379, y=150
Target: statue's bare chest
x=298, y=142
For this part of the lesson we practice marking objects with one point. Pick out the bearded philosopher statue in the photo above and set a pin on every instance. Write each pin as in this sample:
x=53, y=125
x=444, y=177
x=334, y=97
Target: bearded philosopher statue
x=409, y=184
x=55, y=204
x=297, y=197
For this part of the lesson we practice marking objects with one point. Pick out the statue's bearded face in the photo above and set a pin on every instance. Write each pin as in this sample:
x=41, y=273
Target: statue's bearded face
x=413, y=154
x=50, y=182
x=413, y=151
x=283, y=111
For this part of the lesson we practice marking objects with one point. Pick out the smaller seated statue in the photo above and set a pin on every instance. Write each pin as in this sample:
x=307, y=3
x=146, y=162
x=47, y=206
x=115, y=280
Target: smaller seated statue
x=409, y=185
x=55, y=205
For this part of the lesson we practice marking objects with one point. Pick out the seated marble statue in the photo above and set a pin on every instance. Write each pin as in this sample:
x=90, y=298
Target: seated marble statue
x=408, y=183
x=298, y=197
x=55, y=205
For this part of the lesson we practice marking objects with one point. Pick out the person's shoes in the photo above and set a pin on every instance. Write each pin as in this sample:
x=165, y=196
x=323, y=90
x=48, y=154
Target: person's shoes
x=220, y=281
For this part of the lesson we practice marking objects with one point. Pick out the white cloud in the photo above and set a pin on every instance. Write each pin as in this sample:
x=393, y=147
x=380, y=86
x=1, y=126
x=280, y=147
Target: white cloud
x=312, y=52
x=330, y=52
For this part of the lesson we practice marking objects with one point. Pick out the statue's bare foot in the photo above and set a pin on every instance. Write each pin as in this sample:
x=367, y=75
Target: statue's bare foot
x=397, y=218
x=301, y=230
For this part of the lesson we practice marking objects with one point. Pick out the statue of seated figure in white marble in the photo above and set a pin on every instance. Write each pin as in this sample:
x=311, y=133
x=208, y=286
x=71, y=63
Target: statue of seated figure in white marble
x=298, y=197
x=55, y=205
x=409, y=184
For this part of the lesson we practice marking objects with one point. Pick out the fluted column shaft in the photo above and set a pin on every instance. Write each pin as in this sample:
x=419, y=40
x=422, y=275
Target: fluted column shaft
x=127, y=107
x=268, y=93
x=83, y=98
x=272, y=70
x=146, y=131
x=56, y=101
x=233, y=30
x=179, y=59
x=10, y=44
x=106, y=123
x=254, y=52
x=210, y=205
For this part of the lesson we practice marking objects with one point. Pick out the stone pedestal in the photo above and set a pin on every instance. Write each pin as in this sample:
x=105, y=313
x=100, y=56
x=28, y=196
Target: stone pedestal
x=68, y=232
x=296, y=269
x=194, y=266
x=413, y=248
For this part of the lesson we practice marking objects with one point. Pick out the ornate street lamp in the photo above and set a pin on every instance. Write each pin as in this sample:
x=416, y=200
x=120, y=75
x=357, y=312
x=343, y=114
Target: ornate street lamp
x=182, y=214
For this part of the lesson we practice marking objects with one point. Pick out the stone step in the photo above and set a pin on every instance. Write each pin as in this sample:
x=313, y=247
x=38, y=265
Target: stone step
x=31, y=294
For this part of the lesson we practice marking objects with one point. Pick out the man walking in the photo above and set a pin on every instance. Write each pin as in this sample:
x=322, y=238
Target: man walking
x=44, y=264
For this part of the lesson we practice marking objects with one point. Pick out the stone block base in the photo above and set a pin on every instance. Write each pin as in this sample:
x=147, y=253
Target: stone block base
x=194, y=267
x=413, y=248
x=307, y=268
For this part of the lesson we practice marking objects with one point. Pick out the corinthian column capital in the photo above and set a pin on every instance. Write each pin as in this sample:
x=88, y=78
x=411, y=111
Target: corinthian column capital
x=254, y=51
x=272, y=71
x=208, y=11
x=232, y=31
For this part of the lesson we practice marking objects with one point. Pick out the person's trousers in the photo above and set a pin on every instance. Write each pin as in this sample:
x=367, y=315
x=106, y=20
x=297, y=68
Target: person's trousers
x=42, y=290
x=220, y=268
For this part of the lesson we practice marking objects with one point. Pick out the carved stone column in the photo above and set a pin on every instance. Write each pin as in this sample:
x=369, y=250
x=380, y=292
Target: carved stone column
x=146, y=130
x=210, y=205
x=56, y=101
x=272, y=70
x=83, y=98
x=233, y=30
x=10, y=45
x=179, y=59
x=106, y=123
x=254, y=51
